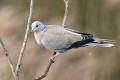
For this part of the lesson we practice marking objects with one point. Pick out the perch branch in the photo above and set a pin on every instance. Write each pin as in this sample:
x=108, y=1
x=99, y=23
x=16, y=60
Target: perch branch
x=46, y=71
x=25, y=39
x=66, y=13
x=9, y=59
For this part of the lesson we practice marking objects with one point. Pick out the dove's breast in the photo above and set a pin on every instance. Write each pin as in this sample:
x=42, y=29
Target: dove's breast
x=38, y=37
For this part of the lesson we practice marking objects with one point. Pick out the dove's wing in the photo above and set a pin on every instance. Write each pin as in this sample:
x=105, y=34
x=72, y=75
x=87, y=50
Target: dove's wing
x=58, y=38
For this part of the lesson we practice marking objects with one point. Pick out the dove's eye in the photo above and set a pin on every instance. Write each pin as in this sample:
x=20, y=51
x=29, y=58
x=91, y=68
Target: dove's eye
x=36, y=25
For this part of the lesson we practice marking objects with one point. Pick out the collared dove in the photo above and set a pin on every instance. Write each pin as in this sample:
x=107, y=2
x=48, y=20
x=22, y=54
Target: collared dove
x=61, y=39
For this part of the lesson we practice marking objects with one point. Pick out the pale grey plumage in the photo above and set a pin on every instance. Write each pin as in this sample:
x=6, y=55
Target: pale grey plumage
x=62, y=39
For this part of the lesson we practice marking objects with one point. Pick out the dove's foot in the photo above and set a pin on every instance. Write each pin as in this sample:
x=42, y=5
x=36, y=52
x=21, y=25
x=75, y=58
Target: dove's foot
x=52, y=59
x=54, y=56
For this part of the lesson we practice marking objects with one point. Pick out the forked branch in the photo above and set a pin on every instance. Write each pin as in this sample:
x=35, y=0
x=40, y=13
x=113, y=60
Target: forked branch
x=16, y=71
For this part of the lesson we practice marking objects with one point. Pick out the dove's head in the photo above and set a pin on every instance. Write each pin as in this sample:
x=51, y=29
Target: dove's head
x=37, y=26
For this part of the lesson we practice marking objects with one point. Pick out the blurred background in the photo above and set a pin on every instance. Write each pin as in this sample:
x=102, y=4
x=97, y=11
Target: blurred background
x=99, y=17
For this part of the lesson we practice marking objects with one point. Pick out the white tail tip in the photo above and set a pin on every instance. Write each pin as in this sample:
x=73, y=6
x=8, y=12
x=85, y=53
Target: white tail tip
x=100, y=45
x=108, y=45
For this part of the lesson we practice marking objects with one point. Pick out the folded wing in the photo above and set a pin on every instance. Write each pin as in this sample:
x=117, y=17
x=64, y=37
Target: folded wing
x=62, y=39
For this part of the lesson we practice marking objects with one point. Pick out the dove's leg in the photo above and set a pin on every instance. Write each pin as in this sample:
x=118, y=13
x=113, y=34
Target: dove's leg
x=54, y=56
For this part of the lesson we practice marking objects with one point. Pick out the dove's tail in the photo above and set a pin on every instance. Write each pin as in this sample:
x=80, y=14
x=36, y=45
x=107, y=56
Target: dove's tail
x=101, y=42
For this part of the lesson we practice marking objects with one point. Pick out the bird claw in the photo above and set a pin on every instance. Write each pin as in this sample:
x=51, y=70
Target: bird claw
x=52, y=59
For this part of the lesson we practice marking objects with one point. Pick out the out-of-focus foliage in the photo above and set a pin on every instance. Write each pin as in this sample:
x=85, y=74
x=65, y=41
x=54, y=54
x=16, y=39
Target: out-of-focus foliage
x=99, y=17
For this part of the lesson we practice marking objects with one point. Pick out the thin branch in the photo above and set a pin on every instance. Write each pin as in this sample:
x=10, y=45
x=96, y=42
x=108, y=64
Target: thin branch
x=9, y=59
x=25, y=40
x=46, y=71
x=66, y=13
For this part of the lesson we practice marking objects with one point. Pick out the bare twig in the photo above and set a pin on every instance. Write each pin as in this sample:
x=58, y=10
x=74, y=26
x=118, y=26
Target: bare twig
x=25, y=40
x=9, y=59
x=46, y=71
x=66, y=13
